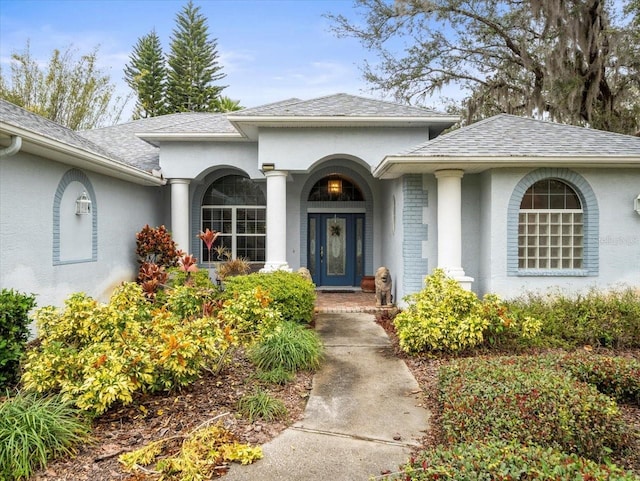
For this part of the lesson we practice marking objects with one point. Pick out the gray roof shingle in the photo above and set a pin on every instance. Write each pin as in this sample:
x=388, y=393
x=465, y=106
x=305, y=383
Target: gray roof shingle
x=337, y=105
x=510, y=136
x=123, y=141
x=21, y=118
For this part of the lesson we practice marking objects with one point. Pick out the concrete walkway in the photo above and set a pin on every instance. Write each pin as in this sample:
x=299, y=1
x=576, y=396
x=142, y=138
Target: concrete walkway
x=363, y=415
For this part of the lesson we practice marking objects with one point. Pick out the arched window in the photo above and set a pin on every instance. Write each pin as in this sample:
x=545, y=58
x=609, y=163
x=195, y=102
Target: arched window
x=550, y=227
x=335, y=188
x=235, y=206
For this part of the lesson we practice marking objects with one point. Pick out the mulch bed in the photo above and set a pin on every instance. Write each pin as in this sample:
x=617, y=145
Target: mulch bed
x=153, y=417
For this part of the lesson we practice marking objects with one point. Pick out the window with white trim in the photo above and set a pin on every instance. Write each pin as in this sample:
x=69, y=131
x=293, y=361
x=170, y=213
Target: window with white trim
x=550, y=227
x=235, y=206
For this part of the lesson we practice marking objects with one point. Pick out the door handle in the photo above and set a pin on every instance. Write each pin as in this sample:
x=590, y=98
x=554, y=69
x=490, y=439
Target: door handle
x=321, y=253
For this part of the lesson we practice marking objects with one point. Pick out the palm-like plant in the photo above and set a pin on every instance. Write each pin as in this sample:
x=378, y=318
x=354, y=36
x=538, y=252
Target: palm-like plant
x=209, y=237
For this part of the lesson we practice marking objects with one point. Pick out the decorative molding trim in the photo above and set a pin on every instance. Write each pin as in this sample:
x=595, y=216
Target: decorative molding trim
x=591, y=223
x=74, y=175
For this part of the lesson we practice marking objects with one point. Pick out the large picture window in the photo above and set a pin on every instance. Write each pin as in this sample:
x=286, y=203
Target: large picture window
x=235, y=206
x=550, y=227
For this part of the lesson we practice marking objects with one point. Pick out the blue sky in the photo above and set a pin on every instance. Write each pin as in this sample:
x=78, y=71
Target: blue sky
x=270, y=50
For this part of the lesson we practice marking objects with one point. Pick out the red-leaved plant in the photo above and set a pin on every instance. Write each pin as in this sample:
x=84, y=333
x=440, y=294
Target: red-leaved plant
x=188, y=264
x=209, y=237
x=151, y=276
x=154, y=244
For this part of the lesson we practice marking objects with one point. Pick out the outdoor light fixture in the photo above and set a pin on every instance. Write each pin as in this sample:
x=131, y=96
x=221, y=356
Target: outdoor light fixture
x=268, y=167
x=636, y=205
x=83, y=204
x=335, y=186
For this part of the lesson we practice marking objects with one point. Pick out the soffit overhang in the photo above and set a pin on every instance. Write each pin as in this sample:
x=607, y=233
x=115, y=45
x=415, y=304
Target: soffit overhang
x=395, y=166
x=249, y=126
x=62, y=152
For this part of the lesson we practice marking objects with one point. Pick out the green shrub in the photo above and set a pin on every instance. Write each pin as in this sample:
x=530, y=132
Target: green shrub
x=292, y=295
x=289, y=346
x=279, y=375
x=14, y=331
x=34, y=430
x=445, y=317
x=527, y=400
x=261, y=405
x=98, y=354
x=499, y=461
x=618, y=377
x=199, y=279
x=597, y=318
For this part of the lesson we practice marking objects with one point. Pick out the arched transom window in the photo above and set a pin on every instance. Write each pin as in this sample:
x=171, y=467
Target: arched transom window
x=550, y=227
x=235, y=206
x=335, y=188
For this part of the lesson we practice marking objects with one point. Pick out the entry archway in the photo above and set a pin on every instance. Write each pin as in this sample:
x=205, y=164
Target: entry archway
x=337, y=227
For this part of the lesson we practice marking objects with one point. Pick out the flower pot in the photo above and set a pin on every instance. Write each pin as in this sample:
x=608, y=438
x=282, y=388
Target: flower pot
x=368, y=284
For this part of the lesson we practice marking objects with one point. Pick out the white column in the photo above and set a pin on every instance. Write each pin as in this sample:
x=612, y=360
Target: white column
x=276, y=221
x=180, y=213
x=450, y=225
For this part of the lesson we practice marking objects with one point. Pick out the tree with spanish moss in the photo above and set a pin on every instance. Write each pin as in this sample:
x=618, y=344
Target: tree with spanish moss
x=573, y=62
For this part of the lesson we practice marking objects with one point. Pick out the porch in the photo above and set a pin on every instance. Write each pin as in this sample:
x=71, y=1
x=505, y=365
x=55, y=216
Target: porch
x=343, y=300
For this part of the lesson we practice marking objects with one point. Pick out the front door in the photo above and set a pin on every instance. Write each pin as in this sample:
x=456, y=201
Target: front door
x=336, y=249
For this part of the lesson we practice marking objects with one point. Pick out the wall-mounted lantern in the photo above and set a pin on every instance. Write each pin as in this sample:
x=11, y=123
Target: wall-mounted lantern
x=83, y=204
x=334, y=186
x=636, y=205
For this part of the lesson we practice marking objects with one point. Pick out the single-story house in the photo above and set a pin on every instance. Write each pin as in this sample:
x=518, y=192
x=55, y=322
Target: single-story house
x=339, y=184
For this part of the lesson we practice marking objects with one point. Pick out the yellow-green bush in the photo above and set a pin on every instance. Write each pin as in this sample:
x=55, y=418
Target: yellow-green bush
x=445, y=317
x=250, y=313
x=293, y=295
x=608, y=318
x=98, y=354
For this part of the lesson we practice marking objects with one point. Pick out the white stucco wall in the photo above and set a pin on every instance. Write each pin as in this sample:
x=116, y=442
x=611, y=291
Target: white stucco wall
x=28, y=185
x=189, y=160
x=390, y=237
x=297, y=149
x=619, y=233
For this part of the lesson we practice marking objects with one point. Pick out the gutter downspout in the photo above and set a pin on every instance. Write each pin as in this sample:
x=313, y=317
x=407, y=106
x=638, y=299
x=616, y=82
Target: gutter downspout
x=13, y=148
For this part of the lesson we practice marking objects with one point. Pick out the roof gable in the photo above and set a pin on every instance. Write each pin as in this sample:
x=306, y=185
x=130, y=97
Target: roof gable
x=337, y=105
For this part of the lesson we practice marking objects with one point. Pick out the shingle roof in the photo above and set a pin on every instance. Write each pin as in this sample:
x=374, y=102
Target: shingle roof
x=18, y=117
x=510, y=136
x=122, y=138
x=338, y=105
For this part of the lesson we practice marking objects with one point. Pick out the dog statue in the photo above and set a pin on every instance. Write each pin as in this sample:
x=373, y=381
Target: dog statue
x=304, y=272
x=383, y=287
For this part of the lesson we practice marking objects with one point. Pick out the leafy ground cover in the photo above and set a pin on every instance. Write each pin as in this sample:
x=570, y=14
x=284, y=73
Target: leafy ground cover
x=592, y=362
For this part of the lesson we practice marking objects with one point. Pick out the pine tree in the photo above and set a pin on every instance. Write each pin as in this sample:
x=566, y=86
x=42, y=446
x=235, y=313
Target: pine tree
x=193, y=65
x=146, y=74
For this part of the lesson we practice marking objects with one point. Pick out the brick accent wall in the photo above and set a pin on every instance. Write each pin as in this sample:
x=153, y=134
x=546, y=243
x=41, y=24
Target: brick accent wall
x=415, y=233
